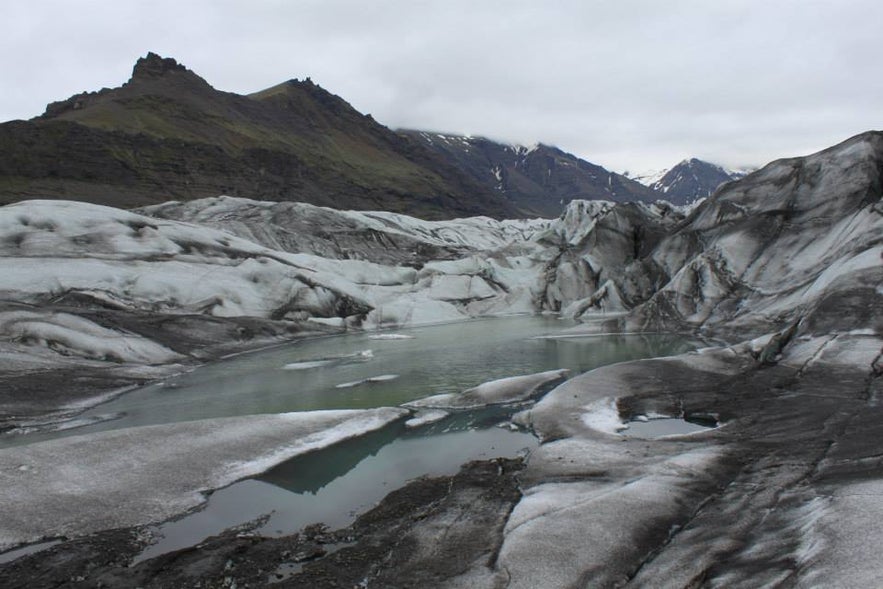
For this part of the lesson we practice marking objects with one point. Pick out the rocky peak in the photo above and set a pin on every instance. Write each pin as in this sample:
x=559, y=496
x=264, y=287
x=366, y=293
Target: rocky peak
x=154, y=66
x=155, y=71
x=690, y=180
x=147, y=72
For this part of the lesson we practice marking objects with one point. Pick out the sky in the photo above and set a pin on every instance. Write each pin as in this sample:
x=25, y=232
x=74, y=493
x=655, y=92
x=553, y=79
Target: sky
x=633, y=85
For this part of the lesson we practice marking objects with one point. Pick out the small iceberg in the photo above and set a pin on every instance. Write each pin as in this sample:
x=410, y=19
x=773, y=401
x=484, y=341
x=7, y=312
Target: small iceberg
x=426, y=417
x=513, y=389
x=355, y=383
x=306, y=365
x=361, y=356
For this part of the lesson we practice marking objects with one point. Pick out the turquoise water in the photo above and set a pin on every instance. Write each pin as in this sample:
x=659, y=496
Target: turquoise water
x=360, y=371
x=334, y=485
x=438, y=359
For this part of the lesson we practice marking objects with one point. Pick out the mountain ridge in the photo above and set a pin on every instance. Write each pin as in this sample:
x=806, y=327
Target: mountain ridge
x=167, y=134
x=688, y=180
x=541, y=178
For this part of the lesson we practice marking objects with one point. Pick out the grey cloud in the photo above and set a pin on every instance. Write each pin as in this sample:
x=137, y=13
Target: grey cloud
x=629, y=84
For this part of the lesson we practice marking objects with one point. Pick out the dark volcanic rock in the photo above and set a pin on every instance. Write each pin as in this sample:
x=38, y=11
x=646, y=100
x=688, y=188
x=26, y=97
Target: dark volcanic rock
x=153, y=66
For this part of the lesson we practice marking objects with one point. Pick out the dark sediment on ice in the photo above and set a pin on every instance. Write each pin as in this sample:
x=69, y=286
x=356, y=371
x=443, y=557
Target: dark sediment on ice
x=431, y=530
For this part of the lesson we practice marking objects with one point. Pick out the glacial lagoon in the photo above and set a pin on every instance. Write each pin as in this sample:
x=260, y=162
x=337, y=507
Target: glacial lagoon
x=361, y=370
x=341, y=372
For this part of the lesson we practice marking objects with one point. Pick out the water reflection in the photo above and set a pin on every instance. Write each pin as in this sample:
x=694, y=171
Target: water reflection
x=662, y=427
x=334, y=485
x=311, y=472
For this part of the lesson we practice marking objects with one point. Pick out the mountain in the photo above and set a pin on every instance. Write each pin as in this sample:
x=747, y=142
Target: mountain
x=167, y=134
x=540, y=179
x=689, y=180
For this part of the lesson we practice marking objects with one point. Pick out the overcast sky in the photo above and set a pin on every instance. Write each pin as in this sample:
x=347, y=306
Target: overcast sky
x=630, y=85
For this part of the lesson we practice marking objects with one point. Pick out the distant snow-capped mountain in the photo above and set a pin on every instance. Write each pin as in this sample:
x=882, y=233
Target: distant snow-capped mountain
x=689, y=180
x=538, y=179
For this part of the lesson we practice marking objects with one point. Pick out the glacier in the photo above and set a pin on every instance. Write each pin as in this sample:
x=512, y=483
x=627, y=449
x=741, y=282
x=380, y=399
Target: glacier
x=780, y=270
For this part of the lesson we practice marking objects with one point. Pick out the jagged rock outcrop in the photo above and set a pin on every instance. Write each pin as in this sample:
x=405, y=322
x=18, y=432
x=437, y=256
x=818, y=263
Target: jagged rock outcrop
x=691, y=180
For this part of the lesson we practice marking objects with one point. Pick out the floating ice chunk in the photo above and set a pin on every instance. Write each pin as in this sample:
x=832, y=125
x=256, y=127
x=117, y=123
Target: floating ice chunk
x=355, y=383
x=306, y=365
x=390, y=336
x=361, y=356
x=383, y=377
x=495, y=392
x=426, y=417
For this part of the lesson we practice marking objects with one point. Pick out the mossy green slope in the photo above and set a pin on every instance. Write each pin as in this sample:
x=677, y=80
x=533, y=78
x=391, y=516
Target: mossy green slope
x=167, y=134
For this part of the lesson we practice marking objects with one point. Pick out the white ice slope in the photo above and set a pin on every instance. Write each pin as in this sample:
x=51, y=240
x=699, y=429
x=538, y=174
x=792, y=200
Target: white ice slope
x=147, y=474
